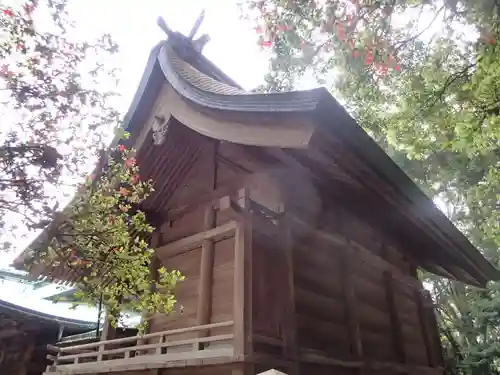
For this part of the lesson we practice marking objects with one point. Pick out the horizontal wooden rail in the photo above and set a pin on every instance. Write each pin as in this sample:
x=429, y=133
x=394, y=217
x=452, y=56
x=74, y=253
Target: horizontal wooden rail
x=146, y=336
x=158, y=345
x=195, y=240
x=96, y=351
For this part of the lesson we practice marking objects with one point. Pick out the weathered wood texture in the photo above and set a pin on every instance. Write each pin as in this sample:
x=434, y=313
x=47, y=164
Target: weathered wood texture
x=336, y=292
x=199, y=181
x=385, y=325
x=195, y=370
x=24, y=353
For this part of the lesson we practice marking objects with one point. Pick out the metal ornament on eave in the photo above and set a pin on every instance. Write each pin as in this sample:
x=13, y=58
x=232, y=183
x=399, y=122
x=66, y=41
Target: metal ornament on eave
x=160, y=128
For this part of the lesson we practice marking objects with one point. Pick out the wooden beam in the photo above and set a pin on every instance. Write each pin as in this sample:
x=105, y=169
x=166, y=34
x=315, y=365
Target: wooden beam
x=210, y=199
x=9, y=332
x=242, y=280
x=194, y=241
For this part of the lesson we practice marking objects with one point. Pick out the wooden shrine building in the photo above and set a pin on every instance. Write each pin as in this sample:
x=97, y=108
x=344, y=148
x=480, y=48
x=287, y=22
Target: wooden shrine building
x=25, y=334
x=300, y=239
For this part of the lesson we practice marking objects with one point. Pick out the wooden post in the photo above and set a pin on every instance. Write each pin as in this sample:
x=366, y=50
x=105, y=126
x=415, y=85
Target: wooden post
x=434, y=337
x=290, y=336
x=204, y=302
x=354, y=332
x=243, y=279
x=397, y=332
x=424, y=328
x=106, y=328
x=424, y=324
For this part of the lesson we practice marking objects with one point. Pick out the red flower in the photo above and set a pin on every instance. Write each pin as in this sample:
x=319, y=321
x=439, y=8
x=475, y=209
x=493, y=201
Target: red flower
x=122, y=148
x=135, y=179
x=266, y=43
x=341, y=32
x=369, y=58
x=124, y=192
x=349, y=20
x=356, y=53
x=4, y=71
x=130, y=162
x=8, y=12
x=383, y=69
x=397, y=68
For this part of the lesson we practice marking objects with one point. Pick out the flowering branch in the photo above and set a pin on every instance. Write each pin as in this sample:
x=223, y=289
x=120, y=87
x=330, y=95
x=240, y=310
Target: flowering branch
x=104, y=240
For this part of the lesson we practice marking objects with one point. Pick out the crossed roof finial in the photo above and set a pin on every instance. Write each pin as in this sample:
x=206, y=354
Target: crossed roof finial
x=197, y=44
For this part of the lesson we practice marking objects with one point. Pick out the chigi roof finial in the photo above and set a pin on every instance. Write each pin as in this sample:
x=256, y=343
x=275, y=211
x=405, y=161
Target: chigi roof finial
x=197, y=44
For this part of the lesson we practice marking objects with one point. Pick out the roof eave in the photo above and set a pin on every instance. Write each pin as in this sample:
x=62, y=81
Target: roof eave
x=378, y=160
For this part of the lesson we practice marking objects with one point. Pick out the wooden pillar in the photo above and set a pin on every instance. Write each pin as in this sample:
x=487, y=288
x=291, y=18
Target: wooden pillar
x=398, y=343
x=243, y=279
x=434, y=336
x=424, y=329
x=290, y=335
x=204, y=302
x=424, y=324
x=105, y=335
x=396, y=330
x=353, y=329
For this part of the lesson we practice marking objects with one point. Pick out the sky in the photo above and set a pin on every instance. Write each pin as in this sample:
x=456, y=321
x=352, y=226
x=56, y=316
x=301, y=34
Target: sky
x=233, y=48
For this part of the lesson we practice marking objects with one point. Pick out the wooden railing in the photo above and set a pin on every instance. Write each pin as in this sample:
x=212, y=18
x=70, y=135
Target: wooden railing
x=106, y=351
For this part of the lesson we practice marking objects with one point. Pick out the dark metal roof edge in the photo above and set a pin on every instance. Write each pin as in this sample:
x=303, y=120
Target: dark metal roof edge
x=144, y=83
x=295, y=101
x=151, y=75
x=375, y=157
x=67, y=322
